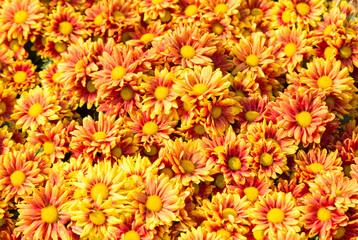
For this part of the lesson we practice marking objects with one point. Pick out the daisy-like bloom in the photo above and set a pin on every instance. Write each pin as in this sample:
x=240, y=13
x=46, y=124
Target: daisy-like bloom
x=190, y=11
x=227, y=209
x=348, y=150
x=22, y=75
x=283, y=14
x=294, y=46
x=95, y=137
x=149, y=131
x=321, y=216
x=347, y=52
x=21, y=20
x=222, y=27
x=275, y=212
x=316, y=161
x=235, y=161
x=244, y=85
x=186, y=161
x=220, y=8
x=54, y=49
x=65, y=24
x=143, y=36
x=188, y=46
x=158, y=203
x=160, y=96
x=50, y=78
x=35, y=108
x=131, y=229
x=7, y=102
x=96, y=24
x=271, y=132
x=254, y=54
x=308, y=12
x=302, y=115
x=44, y=214
x=157, y=8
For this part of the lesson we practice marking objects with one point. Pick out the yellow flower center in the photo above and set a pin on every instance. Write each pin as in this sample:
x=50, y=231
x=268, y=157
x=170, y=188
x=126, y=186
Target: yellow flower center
x=157, y=1
x=329, y=52
x=188, y=166
x=60, y=47
x=199, y=129
x=131, y=235
x=304, y=119
x=325, y=82
x=126, y=93
x=227, y=212
x=90, y=87
x=125, y=36
x=99, y=136
x=97, y=217
x=217, y=28
x=167, y=171
x=216, y=112
x=341, y=231
x=303, y=8
x=223, y=234
x=150, y=128
x=252, y=60
x=234, y=163
x=14, y=45
x=20, y=16
x=65, y=28
x=345, y=52
x=187, y=52
x=250, y=116
x=152, y=152
x=290, y=49
x=324, y=214
x=266, y=159
x=56, y=76
x=316, y=167
x=191, y=10
x=259, y=234
x=2, y=107
x=117, y=15
x=17, y=178
x=154, y=203
x=167, y=16
x=117, y=152
x=327, y=30
x=49, y=214
x=147, y=38
x=286, y=16
x=118, y=72
x=221, y=7
x=20, y=76
x=161, y=92
x=251, y=193
x=220, y=181
x=275, y=215
x=49, y=147
x=98, y=20
x=99, y=189
x=35, y=110
x=199, y=89
x=257, y=12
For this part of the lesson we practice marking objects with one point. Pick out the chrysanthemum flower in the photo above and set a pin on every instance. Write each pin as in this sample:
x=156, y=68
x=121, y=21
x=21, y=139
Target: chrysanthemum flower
x=190, y=11
x=44, y=214
x=22, y=76
x=6, y=59
x=21, y=20
x=95, y=21
x=157, y=8
x=7, y=102
x=220, y=8
x=188, y=46
x=50, y=78
x=308, y=12
x=35, y=108
x=283, y=14
x=347, y=52
x=244, y=85
x=131, y=229
x=275, y=212
x=143, y=36
x=159, y=203
x=6, y=141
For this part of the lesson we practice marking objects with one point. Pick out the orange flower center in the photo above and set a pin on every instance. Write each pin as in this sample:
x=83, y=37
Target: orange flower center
x=99, y=136
x=325, y=82
x=286, y=16
x=303, y=119
x=126, y=93
x=161, y=92
x=49, y=214
x=217, y=28
x=329, y=52
x=266, y=159
x=252, y=60
x=118, y=72
x=154, y=203
x=188, y=166
x=90, y=87
x=187, y=52
x=99, y=189
x=341, y=231
x=223, y=234
x=199, y=129
x=20, y=16
x=49, y=147
x=220, y=181
x=98, y=20
x=167, y=171
x=131, y=235
x=97, y=217
x=2, y=107
x=152, y=152
x=147, y=38
x=216, y=112
x=316, y=167
x=275, y=215
x=150, y=128
x=290, y=49
x=234, y=163
x=229, y=213
x=65, y=28
x=191, y=10
x=14, y=45
x=324, y=214
x=20, y=76
x=303, y=8
x=257, y=12
x=117, y=152
x=345, y=52
x=251, y=193
x=17, y=178
x=35, y=110
x=221, y=7
x=250, y=116
x=199, y=89
x=60, y=47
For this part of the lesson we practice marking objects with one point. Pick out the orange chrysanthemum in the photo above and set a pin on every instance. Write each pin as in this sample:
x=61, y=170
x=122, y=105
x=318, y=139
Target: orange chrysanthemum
x=22, y=76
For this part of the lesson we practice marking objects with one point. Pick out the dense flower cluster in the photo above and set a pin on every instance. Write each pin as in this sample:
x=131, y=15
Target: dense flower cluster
x=178, y=119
